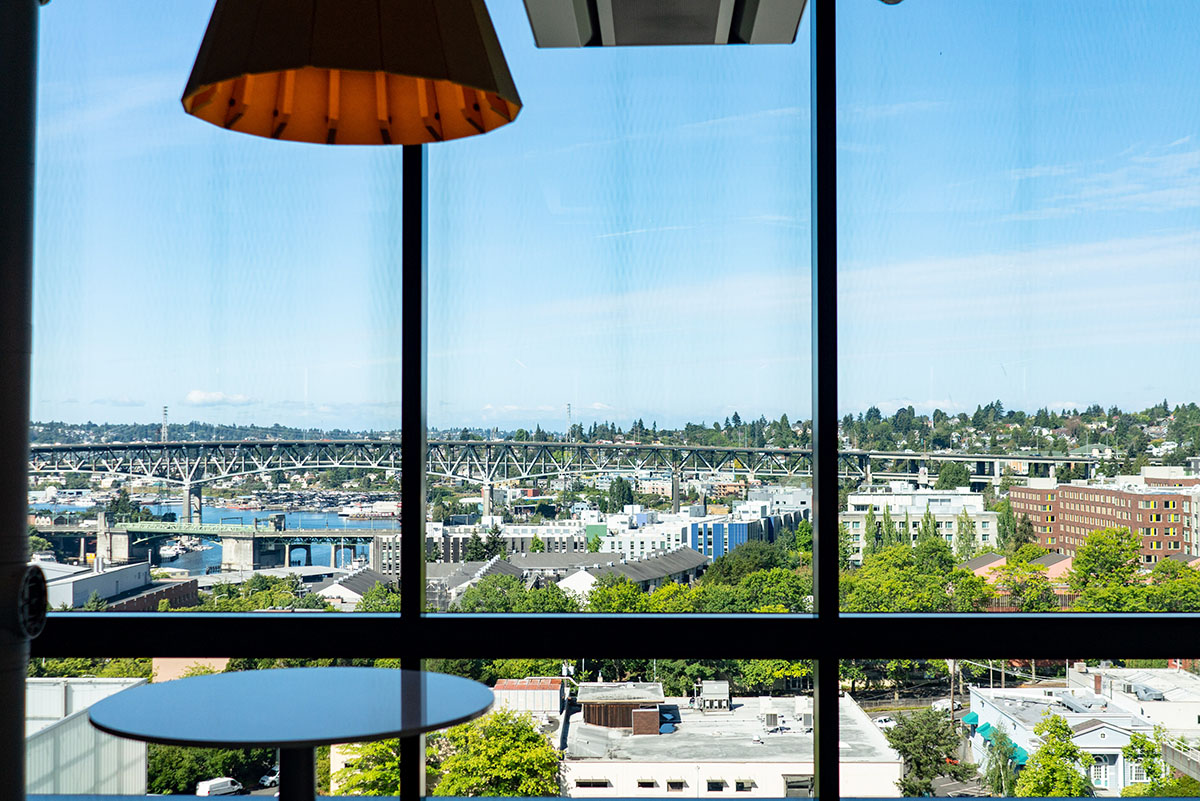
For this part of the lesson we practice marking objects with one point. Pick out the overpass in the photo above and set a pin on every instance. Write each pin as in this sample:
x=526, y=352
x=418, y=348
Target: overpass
x=245, y=546
x=191, y=465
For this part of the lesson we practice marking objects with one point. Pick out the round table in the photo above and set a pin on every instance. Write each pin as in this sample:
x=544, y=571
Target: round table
x=292, y=709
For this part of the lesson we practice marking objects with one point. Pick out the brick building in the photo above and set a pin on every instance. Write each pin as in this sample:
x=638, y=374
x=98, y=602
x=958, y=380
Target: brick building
x=1064, y=514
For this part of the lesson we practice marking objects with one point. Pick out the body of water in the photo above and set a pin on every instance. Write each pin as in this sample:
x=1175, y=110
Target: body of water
x=198, y=562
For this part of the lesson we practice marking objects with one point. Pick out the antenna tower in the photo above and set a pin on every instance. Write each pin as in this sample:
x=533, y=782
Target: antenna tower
x=164, y=425
x=569, y=422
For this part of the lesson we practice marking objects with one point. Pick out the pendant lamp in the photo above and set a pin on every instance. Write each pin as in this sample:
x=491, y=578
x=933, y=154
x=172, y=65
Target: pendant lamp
x=352, y=72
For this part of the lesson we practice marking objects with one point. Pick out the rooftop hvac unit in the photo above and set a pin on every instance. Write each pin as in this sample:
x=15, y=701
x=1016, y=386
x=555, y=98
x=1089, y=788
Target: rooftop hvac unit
x=806, y=721
x=771, y=719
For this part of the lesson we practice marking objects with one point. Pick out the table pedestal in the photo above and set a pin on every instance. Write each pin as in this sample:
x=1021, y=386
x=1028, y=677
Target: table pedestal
x=297, y=774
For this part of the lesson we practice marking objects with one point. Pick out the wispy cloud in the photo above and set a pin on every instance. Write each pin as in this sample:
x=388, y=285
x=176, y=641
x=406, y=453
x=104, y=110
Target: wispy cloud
x=636, y=231
x=1160, y=178
x=874, y=111
x=199, y=397
x=122, y=401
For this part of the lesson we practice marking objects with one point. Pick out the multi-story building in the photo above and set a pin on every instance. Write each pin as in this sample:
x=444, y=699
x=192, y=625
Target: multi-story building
x=1064, y=514
x=907, y=506
x=629, y=741
x=1098, y=728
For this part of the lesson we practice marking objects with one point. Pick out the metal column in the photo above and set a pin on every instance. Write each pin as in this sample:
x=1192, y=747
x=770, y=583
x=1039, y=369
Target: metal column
x=412, y=443
x=822, y=15
x=18, y=97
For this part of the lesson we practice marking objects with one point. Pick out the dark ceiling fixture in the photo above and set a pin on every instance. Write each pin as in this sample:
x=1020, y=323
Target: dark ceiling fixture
x=619, y=23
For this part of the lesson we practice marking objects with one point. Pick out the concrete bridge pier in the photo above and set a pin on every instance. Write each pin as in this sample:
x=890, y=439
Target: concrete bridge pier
x=675, y=491
x=485, y=508
x=193, y=503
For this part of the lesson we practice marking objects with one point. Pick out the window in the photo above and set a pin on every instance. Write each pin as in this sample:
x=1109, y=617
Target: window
x=716, y=785
x=744, y=785
x=591, y=783
x=646, y=783
x=407, y=635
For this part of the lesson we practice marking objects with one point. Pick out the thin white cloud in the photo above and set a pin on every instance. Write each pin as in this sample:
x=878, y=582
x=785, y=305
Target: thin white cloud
x=199, y=397
x=122, y=401
x=636, y=231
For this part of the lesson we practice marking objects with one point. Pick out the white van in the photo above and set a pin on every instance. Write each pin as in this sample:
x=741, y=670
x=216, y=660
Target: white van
x=221, y=786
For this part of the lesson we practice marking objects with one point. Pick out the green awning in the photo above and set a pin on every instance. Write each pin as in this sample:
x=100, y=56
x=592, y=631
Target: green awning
x=970, y=718
x=1020, y=755
x=985, y=731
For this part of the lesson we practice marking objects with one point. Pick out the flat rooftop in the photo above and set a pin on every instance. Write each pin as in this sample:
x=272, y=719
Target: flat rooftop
x=1029, y=709
x=642, y=692
x=729, y=736
x=307, y=573
x=1175, y=685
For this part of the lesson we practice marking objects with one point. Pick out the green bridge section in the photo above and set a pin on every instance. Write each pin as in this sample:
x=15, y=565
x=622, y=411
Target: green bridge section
x=197, y=529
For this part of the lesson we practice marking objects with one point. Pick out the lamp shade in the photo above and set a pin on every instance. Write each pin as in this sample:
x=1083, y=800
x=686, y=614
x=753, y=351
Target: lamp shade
x=352, y=72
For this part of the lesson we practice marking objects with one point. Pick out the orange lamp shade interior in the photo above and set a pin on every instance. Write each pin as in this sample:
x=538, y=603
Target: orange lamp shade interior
x=349, y=107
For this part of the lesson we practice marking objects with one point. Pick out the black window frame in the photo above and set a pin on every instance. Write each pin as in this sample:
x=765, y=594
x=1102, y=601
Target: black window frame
x=412, y=636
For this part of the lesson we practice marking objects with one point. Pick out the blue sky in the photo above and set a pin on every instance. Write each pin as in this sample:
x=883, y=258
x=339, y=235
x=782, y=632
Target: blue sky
x=1018, y=189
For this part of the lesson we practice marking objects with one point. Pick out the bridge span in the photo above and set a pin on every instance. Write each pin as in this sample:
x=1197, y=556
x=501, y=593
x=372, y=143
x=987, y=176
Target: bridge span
x=191, y=465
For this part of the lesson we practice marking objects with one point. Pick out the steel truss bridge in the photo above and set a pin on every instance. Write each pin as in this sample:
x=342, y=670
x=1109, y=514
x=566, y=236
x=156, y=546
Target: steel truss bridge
x=193, y=464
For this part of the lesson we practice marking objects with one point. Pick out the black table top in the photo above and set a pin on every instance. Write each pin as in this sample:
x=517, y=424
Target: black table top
x=288, y=708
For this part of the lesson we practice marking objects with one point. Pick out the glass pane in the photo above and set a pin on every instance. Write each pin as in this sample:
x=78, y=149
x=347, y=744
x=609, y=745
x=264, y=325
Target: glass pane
x=1009, y=186
x=67, y=756
x=216, y=369
x=650, y=728
x=619, y=334
x=1031, y=728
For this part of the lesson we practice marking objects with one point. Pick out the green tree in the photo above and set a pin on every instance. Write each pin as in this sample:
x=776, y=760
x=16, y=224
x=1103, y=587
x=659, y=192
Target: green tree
x=1146, y=753
x=495, y=593
x=951, y=475
x=620, y=494
x=890, y=535
x=380, y=598
x=616, y=593
x=1058, y=767
x=964, y=537
x=494, y=545
x=927, y=742
x=1108, y=557
x=1027, y=587
x=1025, y=534
x=672, y=598
x=844, y=546
x=778, y=587
x=537, y=545
x=37, y=544
x=1006, y=526
x=475, y=550
x=500, y=754
x=928, y=530
x=172, y=769
x=94, y=603
x=871, y=538
x=759, y=675
x=372, y=768
x=999, y=767
x=743, y=560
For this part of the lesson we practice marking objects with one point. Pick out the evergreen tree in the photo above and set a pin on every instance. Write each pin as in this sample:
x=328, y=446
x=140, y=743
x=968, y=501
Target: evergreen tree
x=928, y=529
x=871, y=544
x=890, y=535
x=475, y=551
x=964, y=537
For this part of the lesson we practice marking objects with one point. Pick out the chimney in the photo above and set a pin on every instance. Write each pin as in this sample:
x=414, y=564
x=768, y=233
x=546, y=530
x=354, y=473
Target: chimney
x=1096, y=683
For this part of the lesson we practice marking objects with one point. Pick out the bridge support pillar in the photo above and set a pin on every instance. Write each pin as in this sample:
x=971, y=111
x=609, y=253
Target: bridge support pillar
x=333, y=552
x=287, y=555
x=193, y=503
x=485, y=508
x=674, y=492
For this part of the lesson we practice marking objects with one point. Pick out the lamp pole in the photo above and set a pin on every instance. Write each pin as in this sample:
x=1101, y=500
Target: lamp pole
x=18, y=97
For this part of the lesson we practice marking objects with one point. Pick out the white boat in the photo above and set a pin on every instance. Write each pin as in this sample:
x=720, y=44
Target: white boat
x=169, y=552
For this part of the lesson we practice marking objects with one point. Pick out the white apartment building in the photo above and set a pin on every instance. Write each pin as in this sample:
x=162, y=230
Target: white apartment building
x=1168, y=697
x=1099, y=728
x=902, y=500
x=758, y=748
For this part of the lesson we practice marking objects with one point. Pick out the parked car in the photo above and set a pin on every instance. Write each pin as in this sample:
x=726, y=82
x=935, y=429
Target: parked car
x=270, y=778
x=222, y=786
x=944, y=704
x=886, y=722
